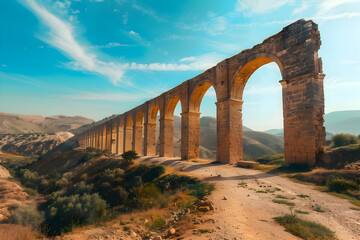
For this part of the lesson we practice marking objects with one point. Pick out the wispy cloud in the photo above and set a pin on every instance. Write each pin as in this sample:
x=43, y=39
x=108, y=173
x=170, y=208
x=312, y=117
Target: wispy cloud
x=62, y=37
x=113, y=44
x=304, y=5
x=247, y=7
x=215, y=25
x=149, y=12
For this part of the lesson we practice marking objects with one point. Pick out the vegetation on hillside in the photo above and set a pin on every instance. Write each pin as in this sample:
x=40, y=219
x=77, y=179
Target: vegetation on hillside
x=98, y=187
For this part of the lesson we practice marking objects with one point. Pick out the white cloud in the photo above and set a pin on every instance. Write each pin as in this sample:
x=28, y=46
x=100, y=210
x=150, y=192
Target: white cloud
x=62, y=37
x=125, y=18
x=133, y=33
x=193, y=63
x=259, y=6
x=328, y=5
x=112, y=44
x=149, y=12
x=214, y=26
x=304, y=5
x=327, y=17
x=4, y=65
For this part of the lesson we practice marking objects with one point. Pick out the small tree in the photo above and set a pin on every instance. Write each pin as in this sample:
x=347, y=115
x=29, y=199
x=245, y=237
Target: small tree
x=129, y=157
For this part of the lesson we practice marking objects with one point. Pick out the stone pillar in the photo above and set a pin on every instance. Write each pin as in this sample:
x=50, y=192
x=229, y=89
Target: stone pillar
x=117, y=137
x=103, y=142
x=303, y=109
x=137, y=138
x=229, y=134
x=97, y=138
x=190, y=135
x=108, y=138
x=120, y=139
x=150, y=139
x=128, y=133
x=166, y=147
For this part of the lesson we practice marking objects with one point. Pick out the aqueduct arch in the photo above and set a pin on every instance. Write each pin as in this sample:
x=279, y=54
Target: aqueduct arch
x=295, y=51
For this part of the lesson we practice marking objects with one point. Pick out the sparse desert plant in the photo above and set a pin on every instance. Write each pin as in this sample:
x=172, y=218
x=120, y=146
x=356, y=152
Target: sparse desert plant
x=64, y=213
x=341, y=185
x=304, y=229
x=281, y=201
x=27, y=215
x=156, y=223
x=343, y=139
x=144, y=196
x=200, y=189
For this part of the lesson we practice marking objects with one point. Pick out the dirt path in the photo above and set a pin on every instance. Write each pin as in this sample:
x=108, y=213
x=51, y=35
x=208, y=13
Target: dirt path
x=247, y=214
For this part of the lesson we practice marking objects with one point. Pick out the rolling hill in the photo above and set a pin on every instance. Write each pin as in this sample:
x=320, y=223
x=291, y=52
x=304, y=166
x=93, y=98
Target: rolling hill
x=343, y=122
x=14, y=123
x=256, y=144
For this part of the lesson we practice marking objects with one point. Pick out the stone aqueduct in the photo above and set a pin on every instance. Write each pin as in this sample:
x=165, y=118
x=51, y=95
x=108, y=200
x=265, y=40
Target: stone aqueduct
x=294, y=50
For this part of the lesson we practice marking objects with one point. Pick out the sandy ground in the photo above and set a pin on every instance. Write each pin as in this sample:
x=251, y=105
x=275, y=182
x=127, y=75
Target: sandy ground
x=246, y=214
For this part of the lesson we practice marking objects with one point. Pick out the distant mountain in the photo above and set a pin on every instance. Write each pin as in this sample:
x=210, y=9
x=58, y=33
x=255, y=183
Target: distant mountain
x=14, y=123
x=343, y=122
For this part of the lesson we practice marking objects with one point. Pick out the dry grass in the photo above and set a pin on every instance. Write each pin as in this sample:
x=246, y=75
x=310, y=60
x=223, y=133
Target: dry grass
x=17, y=232
x=305, y=229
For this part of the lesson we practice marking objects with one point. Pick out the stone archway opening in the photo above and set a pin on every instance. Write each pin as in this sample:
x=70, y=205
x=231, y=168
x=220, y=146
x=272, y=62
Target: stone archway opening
x=138, y=141
x=203, y=130
x=152, y=144
x=128, y=134
x=121, y=137
x=113, y=137
x=173, y=122
x=263, y=113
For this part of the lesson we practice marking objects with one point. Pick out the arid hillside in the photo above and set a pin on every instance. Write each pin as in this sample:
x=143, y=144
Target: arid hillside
x=14, y=123
x=32, y=143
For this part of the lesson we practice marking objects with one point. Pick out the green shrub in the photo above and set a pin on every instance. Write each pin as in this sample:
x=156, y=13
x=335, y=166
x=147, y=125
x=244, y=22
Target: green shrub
x=129, y=157
x=27, y=216
x=173, y=182
x=144, y=196
x=200, y=189
x=343, y=139
x=272, y=160
x=156, y=224
x=341, y=185
x=116, y=196
x=64, y=213
x=153, y=173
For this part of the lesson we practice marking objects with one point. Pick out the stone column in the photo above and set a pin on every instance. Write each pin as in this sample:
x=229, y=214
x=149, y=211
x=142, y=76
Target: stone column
x=128, y=133
x=303, y=109
x=190, y=135
x=109, y=138
x=103, y=142
x=229, y=134
x=97, y=138
x=137, y=138
x=166, y=147
x=120, y=139
x=150, y=139
x=117, y=137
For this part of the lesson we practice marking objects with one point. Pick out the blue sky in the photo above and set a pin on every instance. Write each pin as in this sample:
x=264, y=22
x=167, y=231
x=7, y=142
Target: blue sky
x=96, y=58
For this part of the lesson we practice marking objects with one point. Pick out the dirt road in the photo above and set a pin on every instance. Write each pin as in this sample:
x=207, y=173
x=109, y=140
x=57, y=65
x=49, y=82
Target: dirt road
x=248, y=211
